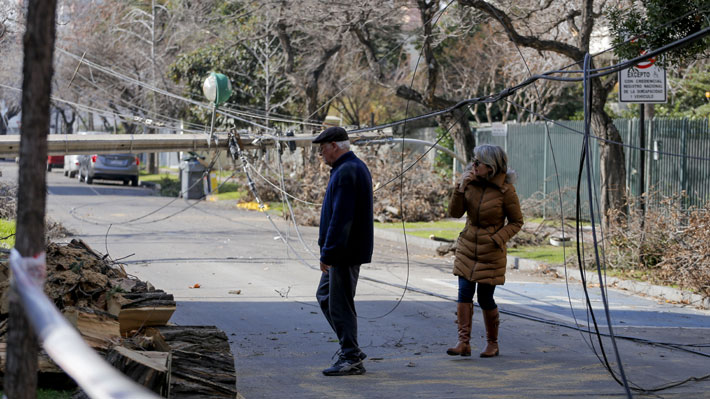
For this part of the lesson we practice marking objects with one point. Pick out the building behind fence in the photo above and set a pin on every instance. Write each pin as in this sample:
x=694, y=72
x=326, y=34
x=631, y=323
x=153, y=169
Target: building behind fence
x=676, y=161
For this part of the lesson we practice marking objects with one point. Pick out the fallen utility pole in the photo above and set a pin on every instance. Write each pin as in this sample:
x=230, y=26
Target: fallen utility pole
x=21, y=368
x=66, y=144
x=418, y=142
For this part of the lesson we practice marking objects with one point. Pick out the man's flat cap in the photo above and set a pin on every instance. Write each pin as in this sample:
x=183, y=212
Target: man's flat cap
x=331, y=134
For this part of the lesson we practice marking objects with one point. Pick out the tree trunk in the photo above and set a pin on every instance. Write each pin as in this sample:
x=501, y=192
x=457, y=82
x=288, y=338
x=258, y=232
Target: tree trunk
x=149, y=369
x=5, y=119
x=475, y=113
x=460, y=132
x=153, y=159
x=3, y=125
x=315, y=112
x=21, y=377
x=68, y=124
x=90, y=121
x=202, y=364
x=612, y=168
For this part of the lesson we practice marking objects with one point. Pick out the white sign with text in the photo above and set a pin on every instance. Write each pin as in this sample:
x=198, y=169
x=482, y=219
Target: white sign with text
x=644, y=83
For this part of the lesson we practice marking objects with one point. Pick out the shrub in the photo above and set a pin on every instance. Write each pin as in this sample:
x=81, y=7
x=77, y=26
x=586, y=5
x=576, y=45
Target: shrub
x=669, y=246
x=169, y=186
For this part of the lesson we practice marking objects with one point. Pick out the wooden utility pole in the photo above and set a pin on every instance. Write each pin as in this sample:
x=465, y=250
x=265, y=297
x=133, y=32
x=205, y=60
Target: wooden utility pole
x=21, y=368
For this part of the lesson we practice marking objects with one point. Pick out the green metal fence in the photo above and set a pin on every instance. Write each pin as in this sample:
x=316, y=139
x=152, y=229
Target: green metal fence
x=674, y=160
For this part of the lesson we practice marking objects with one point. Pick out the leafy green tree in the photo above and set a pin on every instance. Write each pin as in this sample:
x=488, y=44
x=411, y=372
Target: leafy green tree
x=443, y=161
x=192, y=68
x=651, y=24
x=687, y=93
x=248, y=52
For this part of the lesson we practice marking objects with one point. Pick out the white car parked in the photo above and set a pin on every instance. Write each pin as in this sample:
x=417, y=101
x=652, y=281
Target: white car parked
x=71, y=162
x=71, y=165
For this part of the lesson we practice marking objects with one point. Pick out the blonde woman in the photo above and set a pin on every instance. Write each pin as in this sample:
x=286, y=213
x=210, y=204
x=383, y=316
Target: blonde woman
x=485, y=193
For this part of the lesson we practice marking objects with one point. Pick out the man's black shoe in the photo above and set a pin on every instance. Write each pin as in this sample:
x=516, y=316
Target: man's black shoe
x=339, y=353
x=345, y=367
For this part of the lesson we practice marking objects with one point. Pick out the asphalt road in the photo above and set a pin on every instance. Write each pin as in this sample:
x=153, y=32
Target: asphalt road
x=281, y=342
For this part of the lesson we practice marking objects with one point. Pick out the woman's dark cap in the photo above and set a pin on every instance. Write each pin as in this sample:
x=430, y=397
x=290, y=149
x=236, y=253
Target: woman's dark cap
x=331, y=134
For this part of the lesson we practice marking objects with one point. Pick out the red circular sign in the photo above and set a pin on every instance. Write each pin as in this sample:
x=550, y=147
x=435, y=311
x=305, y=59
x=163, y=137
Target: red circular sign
x=646, y=64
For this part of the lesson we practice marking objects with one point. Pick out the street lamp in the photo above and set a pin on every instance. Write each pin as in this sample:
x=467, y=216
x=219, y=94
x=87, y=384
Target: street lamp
x=217, y=89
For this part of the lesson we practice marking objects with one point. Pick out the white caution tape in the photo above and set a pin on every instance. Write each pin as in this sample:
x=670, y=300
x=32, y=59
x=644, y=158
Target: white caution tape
x=62, y=342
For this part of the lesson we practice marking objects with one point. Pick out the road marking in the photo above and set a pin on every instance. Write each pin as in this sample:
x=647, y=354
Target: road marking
x=518, y=304
x=557, y=307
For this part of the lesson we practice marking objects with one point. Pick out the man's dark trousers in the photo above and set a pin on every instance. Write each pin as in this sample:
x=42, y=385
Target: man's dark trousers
x=336, y=296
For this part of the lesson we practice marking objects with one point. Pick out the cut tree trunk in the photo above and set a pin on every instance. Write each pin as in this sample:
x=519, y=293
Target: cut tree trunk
x=49, y=375
x=99, y=329
x=156, y=298
x=132, y=319
x=136, y=310
x=150, y=369
x=46, y=365
x=202, y=363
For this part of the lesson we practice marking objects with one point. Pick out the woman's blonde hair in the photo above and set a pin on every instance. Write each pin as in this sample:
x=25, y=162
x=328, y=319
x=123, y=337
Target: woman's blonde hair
x=492, y=155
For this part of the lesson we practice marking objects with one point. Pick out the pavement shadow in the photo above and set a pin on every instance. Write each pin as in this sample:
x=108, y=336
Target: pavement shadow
x=282, y=344
x=99, y=189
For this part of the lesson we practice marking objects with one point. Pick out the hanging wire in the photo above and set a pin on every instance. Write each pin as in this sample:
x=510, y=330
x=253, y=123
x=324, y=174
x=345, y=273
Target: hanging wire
x=587, y=77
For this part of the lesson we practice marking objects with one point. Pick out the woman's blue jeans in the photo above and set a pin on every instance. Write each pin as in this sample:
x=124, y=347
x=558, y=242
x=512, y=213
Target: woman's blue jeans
x=485, y=293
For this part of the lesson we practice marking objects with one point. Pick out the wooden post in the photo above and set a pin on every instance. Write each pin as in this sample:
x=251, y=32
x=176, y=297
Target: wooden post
x=21, y=371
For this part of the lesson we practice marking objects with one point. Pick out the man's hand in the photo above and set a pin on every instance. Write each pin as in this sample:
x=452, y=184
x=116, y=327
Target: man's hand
x=324, y=268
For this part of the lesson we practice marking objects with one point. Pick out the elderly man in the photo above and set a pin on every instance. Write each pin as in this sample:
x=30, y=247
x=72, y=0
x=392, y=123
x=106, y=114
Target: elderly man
x=346, y=240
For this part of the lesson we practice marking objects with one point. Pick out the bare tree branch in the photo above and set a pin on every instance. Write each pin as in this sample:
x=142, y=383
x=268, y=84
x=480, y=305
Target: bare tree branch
x=528, y=41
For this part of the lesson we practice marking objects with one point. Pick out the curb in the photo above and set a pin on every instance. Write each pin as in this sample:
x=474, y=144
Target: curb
x=637, y=287
x=517, y=263
x=668, y=294
x=150, y=184
x=397, y=236
x=514, y=262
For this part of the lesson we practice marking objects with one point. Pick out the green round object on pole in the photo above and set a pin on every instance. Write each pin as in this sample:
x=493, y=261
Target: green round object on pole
x=217, y=88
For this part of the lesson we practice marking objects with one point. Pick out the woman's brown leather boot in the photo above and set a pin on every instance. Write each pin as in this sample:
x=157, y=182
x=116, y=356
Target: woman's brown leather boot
x=464, y=313
x=491, y=319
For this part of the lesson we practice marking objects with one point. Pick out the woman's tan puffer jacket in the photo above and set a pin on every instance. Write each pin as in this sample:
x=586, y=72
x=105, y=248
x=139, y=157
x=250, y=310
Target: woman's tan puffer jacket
x=480, y=250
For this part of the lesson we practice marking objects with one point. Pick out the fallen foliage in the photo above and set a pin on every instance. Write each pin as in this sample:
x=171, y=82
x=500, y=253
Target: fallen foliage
x=668, y=246
x=548, y=206
x=422, y=195
x=8, y=201
x=77, y=276
x=686, y=261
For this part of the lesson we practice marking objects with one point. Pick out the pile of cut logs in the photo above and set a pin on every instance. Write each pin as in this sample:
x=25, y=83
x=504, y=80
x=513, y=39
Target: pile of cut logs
x=126, y=321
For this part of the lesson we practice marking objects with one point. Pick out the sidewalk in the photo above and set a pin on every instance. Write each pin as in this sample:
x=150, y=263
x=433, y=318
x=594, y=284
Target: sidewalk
x=667, y=294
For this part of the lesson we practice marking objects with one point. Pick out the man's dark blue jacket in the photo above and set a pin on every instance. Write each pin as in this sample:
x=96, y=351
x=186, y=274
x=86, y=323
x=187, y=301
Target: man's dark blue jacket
x=346, y=227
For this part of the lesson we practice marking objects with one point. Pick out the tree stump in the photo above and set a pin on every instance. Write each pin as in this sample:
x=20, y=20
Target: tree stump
x=202, y=364
x=150, y=369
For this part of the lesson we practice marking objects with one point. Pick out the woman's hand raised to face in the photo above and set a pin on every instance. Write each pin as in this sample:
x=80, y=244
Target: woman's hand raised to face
x=466, y=177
